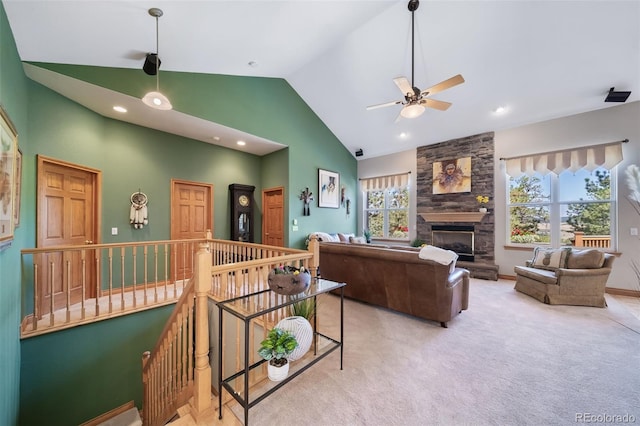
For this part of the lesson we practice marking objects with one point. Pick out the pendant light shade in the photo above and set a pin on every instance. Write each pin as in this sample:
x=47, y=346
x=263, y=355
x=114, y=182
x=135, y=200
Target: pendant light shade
x=155, y=99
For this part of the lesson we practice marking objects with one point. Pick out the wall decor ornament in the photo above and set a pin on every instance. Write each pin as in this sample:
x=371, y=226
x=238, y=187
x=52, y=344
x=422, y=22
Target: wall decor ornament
x=8, y=177
x=328, y=188
x=138, y=214
x=306, y=197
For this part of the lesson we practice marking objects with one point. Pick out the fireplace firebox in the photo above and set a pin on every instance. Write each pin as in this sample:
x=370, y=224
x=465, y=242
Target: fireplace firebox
x=457, y=238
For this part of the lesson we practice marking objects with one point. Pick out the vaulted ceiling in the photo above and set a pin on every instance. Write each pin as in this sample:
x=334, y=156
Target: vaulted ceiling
x=537, y=59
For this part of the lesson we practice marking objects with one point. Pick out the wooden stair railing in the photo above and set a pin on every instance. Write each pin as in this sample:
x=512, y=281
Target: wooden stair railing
x=178, y=370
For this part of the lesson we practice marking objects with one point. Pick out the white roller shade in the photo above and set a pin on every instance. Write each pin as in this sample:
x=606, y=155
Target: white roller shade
x=588, y=157
x=384, y=182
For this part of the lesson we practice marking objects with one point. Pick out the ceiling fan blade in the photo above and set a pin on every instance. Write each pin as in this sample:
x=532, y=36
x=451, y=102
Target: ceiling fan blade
x=386, y=104
x=443, y=85
x=403, y=84
x=432, y=103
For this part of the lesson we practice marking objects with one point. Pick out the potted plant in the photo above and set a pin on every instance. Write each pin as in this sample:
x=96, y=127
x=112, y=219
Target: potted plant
x=367, y=235
x=278, y=345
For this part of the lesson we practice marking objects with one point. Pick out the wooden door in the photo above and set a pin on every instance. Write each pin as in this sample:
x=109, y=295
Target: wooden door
x=67, y=214
x=273, y=217
x=191, y=217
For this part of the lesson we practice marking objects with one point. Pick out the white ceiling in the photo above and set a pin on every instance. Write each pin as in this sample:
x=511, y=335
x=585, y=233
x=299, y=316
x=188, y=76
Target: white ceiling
x=539, y=59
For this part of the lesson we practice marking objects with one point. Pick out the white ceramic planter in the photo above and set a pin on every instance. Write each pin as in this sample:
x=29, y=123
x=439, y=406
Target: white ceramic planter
x=277, y=374
x=302, y=331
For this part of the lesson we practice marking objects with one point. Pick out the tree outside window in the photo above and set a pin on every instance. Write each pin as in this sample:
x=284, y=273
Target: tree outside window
x=574, y=208
x=386, y=213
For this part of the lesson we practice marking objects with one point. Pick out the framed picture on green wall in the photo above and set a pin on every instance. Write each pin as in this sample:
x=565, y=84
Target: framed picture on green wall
x=328, y=188
x=8, y=152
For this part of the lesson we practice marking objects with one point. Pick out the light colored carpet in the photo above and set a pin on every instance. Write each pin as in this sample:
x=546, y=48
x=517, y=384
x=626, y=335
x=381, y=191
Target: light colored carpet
x=508, y=360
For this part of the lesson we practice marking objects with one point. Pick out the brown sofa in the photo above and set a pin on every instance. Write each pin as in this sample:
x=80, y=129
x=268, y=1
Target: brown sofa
x=569, y=277
x=396, y=279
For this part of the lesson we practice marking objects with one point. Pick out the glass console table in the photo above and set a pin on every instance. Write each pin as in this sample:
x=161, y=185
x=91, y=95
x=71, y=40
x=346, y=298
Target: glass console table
x=251, y=306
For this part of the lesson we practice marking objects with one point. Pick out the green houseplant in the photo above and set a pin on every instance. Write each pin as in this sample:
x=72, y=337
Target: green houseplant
x=278, y=345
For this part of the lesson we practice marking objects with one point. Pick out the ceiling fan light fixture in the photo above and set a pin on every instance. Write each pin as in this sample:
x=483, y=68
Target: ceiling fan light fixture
x=155, y=99
x=412, y=111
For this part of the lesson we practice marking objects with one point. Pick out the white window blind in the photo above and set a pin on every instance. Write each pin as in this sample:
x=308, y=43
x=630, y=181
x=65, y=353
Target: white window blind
x=384, y=182
x=589, y=157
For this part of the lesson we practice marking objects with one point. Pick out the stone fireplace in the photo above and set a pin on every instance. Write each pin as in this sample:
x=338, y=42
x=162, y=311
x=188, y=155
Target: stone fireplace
x=453, y=219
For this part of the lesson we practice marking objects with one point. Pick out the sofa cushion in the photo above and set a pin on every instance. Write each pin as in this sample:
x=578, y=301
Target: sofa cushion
x=585, y=259
x=549, y=258
x=358, y=240
x=541, y=275
x=325, y=237
x=345, y=237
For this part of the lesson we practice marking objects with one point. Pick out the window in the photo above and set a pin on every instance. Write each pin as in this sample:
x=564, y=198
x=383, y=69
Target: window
x=572, y=208
x=386, y=213
x=386, y=206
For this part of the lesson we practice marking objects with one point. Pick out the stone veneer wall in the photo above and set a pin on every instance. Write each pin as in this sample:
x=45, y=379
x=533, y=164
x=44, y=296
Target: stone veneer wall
x=481, y=150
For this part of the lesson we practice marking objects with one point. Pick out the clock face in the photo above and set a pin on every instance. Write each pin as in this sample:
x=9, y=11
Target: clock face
x=243, y=200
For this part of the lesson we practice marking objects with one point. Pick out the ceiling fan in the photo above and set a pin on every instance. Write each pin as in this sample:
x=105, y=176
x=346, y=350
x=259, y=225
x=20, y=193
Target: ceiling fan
x=415, y=100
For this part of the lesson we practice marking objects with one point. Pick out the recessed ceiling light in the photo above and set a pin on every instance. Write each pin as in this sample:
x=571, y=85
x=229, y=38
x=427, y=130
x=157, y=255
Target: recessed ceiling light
x=216, y=138
x=403, y=135
x=119, y=108
x=241, y=143
x=500, y=110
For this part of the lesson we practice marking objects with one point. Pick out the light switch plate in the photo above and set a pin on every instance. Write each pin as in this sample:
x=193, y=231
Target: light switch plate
x=114, y=231
x=633, y=231
x=294, y=228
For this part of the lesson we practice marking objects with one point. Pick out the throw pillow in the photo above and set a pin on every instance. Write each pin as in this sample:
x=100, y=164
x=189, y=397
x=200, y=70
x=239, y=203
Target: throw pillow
x=585, y=259
x=358, y=240
x=549, y=258
x=345, y=237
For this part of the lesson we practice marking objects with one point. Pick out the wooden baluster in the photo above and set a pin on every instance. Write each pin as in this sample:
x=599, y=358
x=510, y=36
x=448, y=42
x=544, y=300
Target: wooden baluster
x=51, y=293
x=166, y=268
x=134, y=252
x=110, y=280
x=122, y=255
x=68, y=291
x=155, y=271
x=84, y=283
x=146, y=400
x=36, y=291
x=145, y=253
x=98, y=281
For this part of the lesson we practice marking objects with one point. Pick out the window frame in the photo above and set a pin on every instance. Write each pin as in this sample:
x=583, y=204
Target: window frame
x=385, y=211
x=555, y=210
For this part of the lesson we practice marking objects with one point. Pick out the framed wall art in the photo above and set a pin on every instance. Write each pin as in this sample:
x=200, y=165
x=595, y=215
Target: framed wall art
x=329, y=189
x=450, y=176
x=18, y=184
x=8, y=170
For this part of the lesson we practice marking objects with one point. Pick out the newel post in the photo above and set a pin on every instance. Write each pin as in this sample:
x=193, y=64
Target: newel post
x=314, y=262
x=202, y=374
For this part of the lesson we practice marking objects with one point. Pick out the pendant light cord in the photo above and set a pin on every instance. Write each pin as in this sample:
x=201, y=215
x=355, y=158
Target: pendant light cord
x=157, y=58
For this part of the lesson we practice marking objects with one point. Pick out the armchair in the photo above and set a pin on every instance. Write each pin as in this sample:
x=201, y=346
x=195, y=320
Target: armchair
x=566, y=276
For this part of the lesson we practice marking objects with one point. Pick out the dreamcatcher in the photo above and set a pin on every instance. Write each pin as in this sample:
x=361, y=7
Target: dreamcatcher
x=138, y=213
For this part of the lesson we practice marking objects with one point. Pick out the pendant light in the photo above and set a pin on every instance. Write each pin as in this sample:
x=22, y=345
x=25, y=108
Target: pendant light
x=156, y=99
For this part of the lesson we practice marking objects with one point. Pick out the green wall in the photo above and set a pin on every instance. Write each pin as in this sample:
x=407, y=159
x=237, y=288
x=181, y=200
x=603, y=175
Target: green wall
x=131, y=158
x=13, y=97
x=74, y=375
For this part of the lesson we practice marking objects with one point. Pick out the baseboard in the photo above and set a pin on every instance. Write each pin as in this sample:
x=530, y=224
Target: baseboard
x=109, y=414
x=622, y=292
x=507, y=277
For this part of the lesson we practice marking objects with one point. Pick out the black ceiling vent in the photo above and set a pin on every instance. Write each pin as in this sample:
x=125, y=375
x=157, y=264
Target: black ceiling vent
x=614, y=96
x=359, y=153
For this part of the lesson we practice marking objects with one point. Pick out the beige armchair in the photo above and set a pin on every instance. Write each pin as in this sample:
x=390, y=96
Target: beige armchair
x=566, y=276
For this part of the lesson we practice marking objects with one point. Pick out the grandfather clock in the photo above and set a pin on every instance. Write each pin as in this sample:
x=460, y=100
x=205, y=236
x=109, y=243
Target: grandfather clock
x=241, y=202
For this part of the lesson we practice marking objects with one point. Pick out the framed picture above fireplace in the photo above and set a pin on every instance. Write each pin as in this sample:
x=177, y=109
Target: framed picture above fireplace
x=452, y=176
